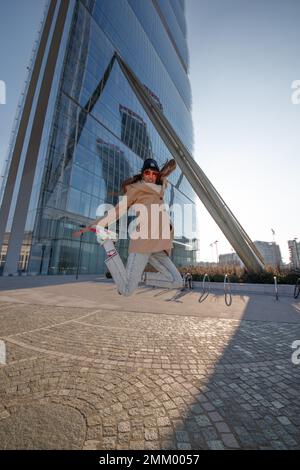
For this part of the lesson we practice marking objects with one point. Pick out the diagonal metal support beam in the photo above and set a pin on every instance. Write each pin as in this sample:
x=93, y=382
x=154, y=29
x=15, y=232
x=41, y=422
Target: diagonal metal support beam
x=212, y=200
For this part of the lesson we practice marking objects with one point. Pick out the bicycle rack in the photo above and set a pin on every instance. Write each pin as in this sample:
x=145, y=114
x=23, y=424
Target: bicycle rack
x=297, y=289
x=206, y=276
x=205, y=292
x=227, y=290
x=187, y=281
x=276, y=288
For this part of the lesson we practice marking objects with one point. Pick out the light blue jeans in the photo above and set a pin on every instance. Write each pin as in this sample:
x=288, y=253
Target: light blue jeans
x=127, y=280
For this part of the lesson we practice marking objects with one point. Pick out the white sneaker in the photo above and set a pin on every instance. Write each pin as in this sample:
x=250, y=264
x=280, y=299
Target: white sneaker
x=104, y=234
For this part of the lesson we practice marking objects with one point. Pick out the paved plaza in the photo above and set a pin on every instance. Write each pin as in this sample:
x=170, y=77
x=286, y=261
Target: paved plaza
x=89, y=369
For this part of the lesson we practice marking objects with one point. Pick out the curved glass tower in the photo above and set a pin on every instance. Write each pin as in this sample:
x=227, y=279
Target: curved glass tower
x=81, y=131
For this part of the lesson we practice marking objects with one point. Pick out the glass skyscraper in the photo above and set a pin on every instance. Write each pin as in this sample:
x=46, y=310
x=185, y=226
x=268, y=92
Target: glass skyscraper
x=73, y=147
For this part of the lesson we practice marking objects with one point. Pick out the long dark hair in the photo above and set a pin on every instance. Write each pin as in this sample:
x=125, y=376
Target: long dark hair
x=134, y=179
x=127, y=182
x=131, y=180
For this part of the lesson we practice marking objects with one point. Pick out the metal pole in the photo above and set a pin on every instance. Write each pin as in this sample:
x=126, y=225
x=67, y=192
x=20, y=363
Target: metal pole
x=79, y=256
x=212, y=251
x=297, y=253
x=276, y=288
x=216, y=244
x=273, y=234
x=297, y=288
x=42, y=258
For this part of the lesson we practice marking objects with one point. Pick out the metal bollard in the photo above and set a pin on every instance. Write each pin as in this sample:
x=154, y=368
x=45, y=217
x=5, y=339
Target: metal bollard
x=276, y=288
x=297, y=289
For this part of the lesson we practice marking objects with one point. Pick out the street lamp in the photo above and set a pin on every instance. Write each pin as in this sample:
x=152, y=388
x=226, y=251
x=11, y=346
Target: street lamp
x=42, y=258
x=273, y=234
x=79, y=253
x=216, y=243
x=297, y=253
x=212, y=251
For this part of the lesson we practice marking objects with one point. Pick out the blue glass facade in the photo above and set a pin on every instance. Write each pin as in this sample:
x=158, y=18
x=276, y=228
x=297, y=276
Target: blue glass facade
x=87, y=151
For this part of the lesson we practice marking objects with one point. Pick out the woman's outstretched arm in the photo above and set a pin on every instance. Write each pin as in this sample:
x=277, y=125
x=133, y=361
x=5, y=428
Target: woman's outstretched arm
x=113, y=214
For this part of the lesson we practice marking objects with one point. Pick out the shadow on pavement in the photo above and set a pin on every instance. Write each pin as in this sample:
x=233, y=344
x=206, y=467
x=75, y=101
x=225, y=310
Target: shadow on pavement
x=248, y=396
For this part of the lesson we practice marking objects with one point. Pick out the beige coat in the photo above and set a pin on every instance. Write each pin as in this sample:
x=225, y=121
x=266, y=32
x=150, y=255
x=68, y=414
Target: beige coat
x=153, y=231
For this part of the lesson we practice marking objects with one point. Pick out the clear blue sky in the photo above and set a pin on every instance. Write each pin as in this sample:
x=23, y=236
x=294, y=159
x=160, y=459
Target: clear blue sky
x=244, y=55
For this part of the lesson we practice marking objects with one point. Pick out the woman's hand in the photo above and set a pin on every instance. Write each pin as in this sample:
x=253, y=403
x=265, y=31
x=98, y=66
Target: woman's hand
x=77, y=234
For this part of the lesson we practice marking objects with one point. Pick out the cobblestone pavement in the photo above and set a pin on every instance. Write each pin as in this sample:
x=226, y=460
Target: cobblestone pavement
x=104, y=379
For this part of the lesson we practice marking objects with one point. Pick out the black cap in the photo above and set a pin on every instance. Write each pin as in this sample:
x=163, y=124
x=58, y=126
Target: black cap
x=150, y=164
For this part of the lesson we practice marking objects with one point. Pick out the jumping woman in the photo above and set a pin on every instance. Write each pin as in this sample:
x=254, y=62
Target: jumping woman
x=152, y=243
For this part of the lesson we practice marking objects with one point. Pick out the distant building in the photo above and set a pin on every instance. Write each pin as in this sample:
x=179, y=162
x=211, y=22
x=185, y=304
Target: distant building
x=230, y=259
x=294, y=249
x=270, y=252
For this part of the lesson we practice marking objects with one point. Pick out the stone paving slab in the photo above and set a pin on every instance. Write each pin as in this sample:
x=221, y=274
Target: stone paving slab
x=159, y=375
